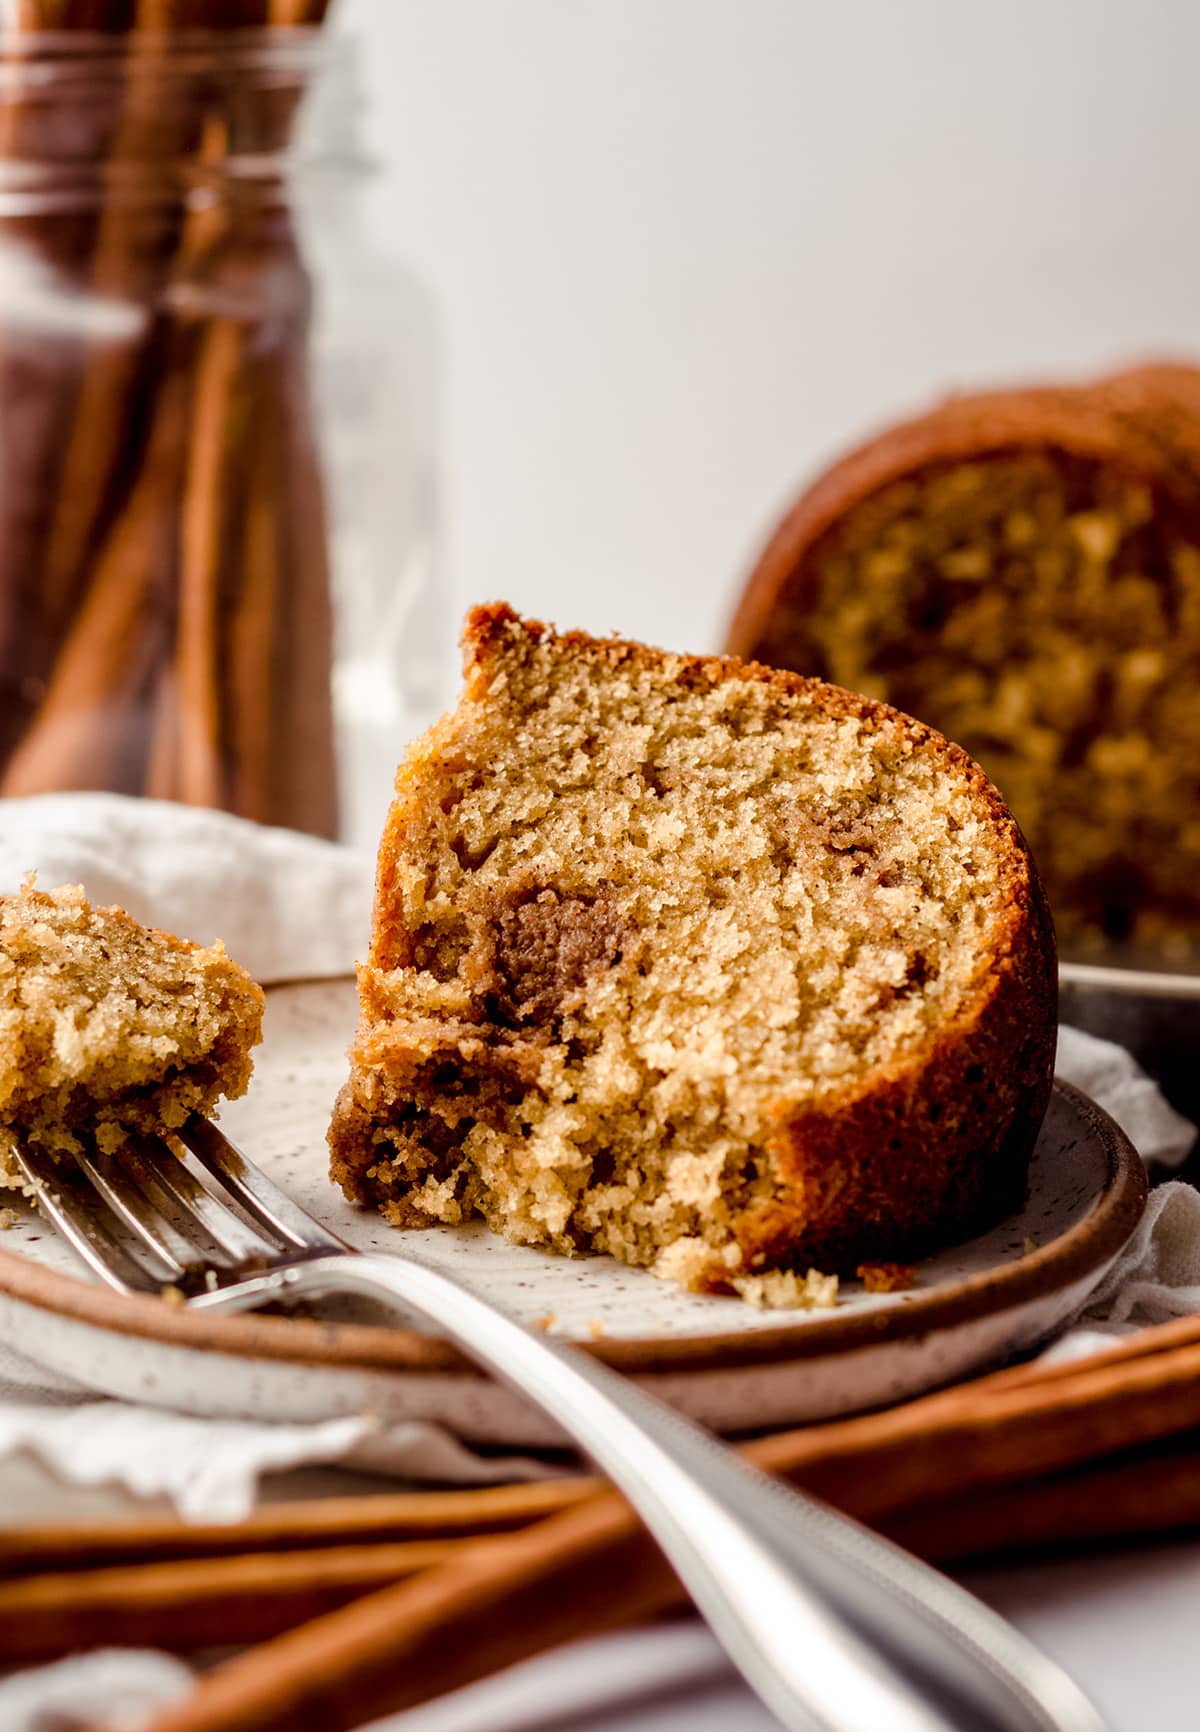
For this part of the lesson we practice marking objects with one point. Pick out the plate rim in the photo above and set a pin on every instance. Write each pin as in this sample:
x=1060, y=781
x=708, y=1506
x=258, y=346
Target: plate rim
x=1091, y=1243
x=1127, y=982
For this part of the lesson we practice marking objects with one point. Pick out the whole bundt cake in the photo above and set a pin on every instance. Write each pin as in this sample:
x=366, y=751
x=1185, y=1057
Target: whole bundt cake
x=1021, y=570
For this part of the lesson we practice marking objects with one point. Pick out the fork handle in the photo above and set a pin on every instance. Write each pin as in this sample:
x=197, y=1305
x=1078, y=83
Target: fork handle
x=834, y=1628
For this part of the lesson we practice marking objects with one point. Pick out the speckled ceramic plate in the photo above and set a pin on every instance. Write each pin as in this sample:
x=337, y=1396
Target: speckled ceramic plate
x=729, y=1365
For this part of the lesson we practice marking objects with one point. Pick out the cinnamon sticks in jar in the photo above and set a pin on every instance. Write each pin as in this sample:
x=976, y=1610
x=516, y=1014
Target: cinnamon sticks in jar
x=165, y=610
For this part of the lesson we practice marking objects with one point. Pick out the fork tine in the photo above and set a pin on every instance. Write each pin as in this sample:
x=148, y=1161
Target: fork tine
x=261, y=1199
x=90, y=1226
x=200, y=1218
x=146, y=1209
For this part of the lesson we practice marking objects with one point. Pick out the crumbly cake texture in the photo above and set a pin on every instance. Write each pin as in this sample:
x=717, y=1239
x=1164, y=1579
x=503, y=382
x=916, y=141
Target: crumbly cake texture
x=714, y=968
x=108, y=1027
x=1022, y=570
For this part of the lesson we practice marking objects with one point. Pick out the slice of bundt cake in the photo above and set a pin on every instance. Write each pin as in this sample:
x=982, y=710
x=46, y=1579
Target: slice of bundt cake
x=1021, y=569
x=714, y=968
x=108, y=1027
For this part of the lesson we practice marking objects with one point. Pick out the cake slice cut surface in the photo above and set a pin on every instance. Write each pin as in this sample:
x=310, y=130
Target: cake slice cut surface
x=108, y=1027
x=717, y=969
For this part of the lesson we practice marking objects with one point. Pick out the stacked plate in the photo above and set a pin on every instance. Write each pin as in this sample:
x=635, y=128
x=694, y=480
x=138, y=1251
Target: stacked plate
x=728, y=1365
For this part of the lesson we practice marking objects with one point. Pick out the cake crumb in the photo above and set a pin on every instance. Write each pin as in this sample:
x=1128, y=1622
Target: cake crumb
x=109, y=1028
x=787, y=1290
x=596, y=1328
x=885, y=1277
x=172, y=1296
x=546, y=1322
x=9, y=1218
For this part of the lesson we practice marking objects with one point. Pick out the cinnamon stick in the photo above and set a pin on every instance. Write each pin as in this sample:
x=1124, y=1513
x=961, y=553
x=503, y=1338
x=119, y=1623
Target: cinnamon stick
x=298, y=13
x=194, y=593
x=267, y=669
x=1144, y=1495
x=38, y=367
x=91, y=721
x=135, y=244
x=252, y=656
x=192, y=1604
x=198, y=668
x=255, y=729
x=77, y=447
x=187, y=1605
x=385, y=1518
x=474, y=1613
x=497, y=1601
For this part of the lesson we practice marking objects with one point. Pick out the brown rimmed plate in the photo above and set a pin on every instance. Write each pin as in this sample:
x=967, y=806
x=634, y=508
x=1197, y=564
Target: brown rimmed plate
x=720, y=1360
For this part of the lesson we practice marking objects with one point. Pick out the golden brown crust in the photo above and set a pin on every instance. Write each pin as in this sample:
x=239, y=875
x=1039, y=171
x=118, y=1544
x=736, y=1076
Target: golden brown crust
x=924, y=1152
x=937, y=1149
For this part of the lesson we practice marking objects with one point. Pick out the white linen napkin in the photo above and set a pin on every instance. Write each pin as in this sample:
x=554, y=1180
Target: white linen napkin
x=290, y=906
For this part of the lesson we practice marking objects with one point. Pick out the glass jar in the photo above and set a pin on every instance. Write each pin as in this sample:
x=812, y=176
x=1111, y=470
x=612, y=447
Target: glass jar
x=218, y=576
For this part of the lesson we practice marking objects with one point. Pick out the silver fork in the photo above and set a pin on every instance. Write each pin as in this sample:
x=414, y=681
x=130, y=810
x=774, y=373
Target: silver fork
x=834, y=1628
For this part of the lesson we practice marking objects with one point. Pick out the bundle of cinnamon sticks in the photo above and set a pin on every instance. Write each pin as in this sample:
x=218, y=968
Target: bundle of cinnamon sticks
x=360, y=1606
x=165, y=612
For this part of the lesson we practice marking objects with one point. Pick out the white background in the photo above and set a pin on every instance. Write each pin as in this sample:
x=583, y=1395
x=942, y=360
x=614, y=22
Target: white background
x=682, y=250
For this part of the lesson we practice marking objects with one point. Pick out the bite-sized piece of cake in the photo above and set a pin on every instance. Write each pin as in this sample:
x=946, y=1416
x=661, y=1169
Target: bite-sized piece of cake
x=108, y=1027
x=1021, y=569
x=711, y=967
